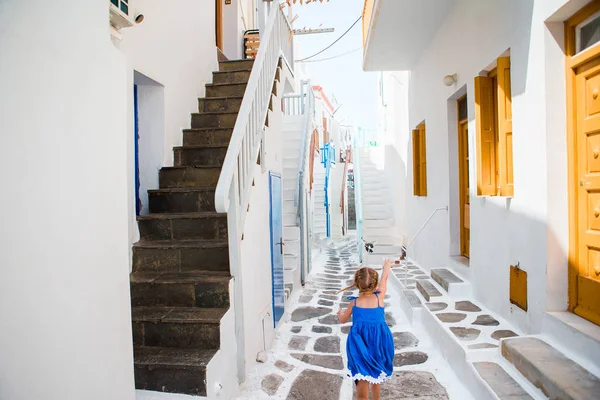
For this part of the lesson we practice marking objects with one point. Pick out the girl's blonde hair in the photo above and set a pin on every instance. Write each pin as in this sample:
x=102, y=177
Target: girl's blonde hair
x=365, y=280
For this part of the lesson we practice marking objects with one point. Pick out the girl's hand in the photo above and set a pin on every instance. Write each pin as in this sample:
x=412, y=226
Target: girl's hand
x=387, y=264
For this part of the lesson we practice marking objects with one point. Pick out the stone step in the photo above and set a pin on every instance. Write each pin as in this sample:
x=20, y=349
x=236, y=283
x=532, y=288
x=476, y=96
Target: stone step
x=289, y=219
x=189, y=177
x=412, y=299
x=239, y=76
x=204, y=289
x=220, y=104
x=172, y=370
x=555, y=374
x=290, y=262
x=369, y=231
x=214, y=120
x=289, y=194
x=500, y=382
x=181, y=200
x=204, y=156
x=207, y=136
x=291, y=232
x=411, y=304
x=235, y=65
x=225, y=89
x=292, y=247
x=183, y=226
x=174, y=256
x=445, y=278
x=183, y=327
x=378, y=223
x=427, y=289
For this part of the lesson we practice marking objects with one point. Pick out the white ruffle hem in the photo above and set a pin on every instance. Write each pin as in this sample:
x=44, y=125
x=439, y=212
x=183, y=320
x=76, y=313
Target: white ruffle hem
x=383, y=377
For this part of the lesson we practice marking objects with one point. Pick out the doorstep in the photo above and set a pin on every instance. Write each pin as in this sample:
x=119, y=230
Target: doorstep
x=574, y=336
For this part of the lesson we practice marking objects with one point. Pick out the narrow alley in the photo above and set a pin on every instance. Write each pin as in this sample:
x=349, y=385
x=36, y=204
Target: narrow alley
x=308, y=360
x=191, y=186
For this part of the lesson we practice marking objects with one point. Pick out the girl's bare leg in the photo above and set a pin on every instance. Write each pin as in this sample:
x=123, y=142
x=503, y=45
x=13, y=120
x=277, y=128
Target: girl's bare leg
x=362, y=390
x=375, y=391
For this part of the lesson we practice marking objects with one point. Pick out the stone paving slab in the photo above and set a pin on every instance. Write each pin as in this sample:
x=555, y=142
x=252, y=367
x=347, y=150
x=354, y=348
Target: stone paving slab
x=413, y=385
x=312, y=385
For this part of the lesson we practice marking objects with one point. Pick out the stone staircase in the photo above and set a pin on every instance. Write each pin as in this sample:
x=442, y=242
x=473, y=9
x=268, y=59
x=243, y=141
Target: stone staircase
x=494, y=360
x=180, y=281
x=378, y=218
x=292, y=132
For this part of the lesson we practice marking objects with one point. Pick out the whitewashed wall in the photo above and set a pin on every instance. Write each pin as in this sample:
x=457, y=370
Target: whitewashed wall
x=64, y=278
x=173, y=52
x=531, y=228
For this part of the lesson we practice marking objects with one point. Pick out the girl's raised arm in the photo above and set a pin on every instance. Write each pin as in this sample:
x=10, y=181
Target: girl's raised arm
x=344, y=315
x=387, y=265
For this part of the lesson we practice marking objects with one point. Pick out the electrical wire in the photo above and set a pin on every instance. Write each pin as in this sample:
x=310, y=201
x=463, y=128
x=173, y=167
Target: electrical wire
x=331, y=58
x=337, y=40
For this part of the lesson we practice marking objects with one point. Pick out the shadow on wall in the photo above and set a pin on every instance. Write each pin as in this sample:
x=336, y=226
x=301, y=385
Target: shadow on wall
x=395, y=167
x=520, y=55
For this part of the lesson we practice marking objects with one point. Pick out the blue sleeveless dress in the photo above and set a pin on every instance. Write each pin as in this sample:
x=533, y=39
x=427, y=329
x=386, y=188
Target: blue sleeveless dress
x=370, y=345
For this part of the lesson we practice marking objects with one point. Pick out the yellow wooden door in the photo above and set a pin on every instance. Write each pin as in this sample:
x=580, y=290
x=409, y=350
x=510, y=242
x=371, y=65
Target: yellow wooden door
x=465, y=202
x=587, y=97
x=219, y=24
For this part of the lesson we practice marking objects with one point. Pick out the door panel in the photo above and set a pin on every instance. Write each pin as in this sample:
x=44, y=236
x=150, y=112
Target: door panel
x=465, y=199
x=587, y=99
x=277, y=247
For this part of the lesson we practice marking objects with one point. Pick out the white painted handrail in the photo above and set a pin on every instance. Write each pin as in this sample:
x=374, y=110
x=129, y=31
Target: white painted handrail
x=417, y=234
x=238, y=167
x=235, y=182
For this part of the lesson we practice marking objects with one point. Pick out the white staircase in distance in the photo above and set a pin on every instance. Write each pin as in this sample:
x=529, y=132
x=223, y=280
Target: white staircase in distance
x=379, y=225
x=292, y=142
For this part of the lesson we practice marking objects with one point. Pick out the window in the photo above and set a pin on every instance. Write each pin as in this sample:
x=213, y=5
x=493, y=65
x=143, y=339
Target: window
x=419, y=161
x=122, y=5
x=587, y=33
x=493, y=114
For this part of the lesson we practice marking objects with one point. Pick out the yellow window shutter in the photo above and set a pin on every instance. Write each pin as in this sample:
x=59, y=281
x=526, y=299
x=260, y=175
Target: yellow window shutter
x=486, y=136
x=505, y=130
x=423, y=160
x=416, y=162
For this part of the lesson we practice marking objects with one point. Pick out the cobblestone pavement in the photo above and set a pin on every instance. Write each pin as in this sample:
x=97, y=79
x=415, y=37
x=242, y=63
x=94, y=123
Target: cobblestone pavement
x=307, y=360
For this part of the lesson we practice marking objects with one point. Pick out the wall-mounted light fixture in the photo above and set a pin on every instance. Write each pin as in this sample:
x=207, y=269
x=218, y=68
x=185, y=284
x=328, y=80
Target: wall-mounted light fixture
x=450, y=80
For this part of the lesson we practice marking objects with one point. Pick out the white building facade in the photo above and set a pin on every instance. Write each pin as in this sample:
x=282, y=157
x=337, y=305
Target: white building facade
x=487, y=111
x=98, y=112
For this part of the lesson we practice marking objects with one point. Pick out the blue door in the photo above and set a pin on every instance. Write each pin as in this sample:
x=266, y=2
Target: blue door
x=277, y=246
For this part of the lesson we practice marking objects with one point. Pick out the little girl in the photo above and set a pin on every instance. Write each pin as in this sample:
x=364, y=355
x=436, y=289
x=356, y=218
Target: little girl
x=370, y=344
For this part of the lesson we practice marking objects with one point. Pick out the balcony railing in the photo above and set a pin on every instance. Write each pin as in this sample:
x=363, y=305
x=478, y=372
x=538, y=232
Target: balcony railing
x=366, y=19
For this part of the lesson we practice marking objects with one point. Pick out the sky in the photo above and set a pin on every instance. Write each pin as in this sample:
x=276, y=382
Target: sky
x=342, y=78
